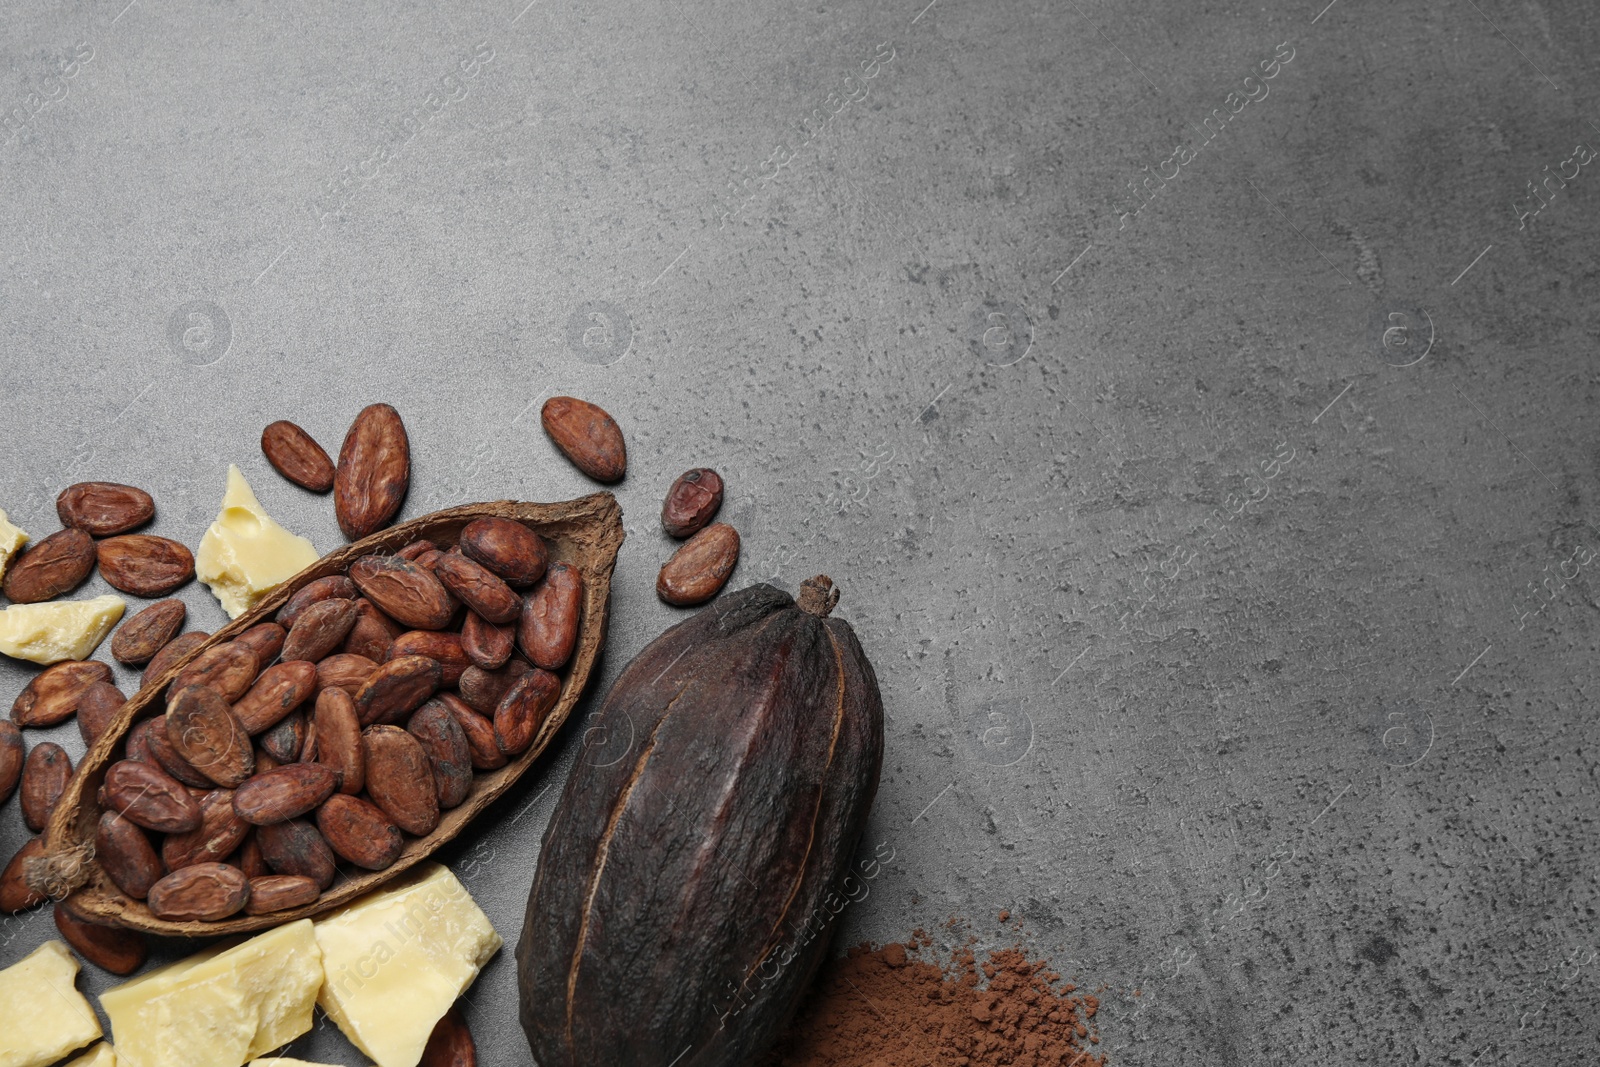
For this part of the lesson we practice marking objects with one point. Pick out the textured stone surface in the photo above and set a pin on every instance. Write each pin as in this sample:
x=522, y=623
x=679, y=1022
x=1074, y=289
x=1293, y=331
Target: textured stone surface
x=1311, y=772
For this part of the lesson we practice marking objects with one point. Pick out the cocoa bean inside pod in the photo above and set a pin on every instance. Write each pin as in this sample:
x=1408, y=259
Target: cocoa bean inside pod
x=281, y=689
x=150, y=797
x=276, y=892
x=338, y=729
x=228, y=668
x=296, y=847
x=358, y=831
x=397, y=688
x=441, y=646
x=488, y=646
x=319, y=630
x=508, y=548
x=400, y=779
x=170, y=653
x=405, y=591
x=202, y=893
x=332, y=587
x=265, y=640
x=125, y=853
x=548, y=627
x=284, y=793
x=220, y=832
x=209, y=736
x=477, y=587
x=372, y=633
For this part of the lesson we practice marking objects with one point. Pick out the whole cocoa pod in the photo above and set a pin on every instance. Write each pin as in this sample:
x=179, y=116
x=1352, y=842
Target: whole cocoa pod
x=759, y=738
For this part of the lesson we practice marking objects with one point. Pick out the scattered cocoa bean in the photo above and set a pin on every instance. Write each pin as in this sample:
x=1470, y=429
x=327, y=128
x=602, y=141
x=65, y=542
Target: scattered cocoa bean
x=142, y=636
x=104, y=509
x=508, y=548
x=53, y=694
x=700, y=567
x=12, y=758
x=144, y=564
x=691, y=502
x=296, y=455
x=15, y=893
x=374, y=472
x=450, y=1044
x=44, y=779
x=51, y=568
x=588, y=436
x=110, y=948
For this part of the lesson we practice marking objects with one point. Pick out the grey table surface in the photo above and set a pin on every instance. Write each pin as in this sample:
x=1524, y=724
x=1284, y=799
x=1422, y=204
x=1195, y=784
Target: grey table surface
x=1190, y=400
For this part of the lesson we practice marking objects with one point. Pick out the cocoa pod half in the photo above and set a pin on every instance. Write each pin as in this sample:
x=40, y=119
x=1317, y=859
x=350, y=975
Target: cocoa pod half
x=760, y=739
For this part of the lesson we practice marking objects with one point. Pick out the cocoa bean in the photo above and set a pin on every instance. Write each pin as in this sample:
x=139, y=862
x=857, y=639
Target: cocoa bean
x=435, y=727
x=229, y=668
x=405, y=591
x=478, y=730
x=166, y=756
x=249, y=858
x=137, y=744
x=522, y=710
x=220, y=832
x=104, y=509
x=450, y=1044
x=296, y=455
x=208, y=735
x=144, y=564
x=477, y=587
x=44, y=779
x=53, y=694
x=417, y=548
x=588, y=436
x=483, y=689
x=125, y=853
x=265, y=639
x=508, y=548
x=170, y=654
x=265, y=762
x=548, y=627
x=142, y=636
x=319, y=630
x=284, y=793
x=488, y=646
x=372, y=633
x=333, y=587
x=374, y=472
x=149, y=796
x=429, y=560
x=295, y=847
x=358, y=831
x=344, y=671
x=439, y=645
x=285, y=741
x=279, y=892
x=15, y=894
x=110, y=948
x=281, y=689
x=51, y=568
x=338, y=730
x=691, y=502
x=205, y=892
x=396, y=689
x=400, y=779
x=700, y=567
x=97, y=708
x=11, y=758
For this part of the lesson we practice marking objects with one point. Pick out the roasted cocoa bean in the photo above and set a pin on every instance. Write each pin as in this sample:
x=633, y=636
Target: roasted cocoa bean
x=136, y=746
x=508, y=548
x=450, y=1044
x=209, y=736
x=12, y=757
x=338, y=729
x=149, y=796
x=429, y=560
x=396, y=689
x=522, y=710
x=285, y=741
x=144, y=564
x=332, y=587
x=44, y=779
x=15, y=894
x=170, y=654
x=295, y=847
x=104, y=509
x=319, y=630
x=283, y=793
x=400, y=779
x=52, y=696
x=548, y=628
x=229, y=668
x=110, y=948
x=265, y=639
x=51, y=568
x=588, y=436
x=483, y=689
x=97, y=708
x=488, y=646
x=435, y=727
x=296, y=455
x=279, y=892
x=249, y=859
x=281, y=689
x=165, y=756
x=205, y=892
x=691, y=502
x=439, y=645
x=417, y=548
x=700, y=567
x=265, y=762
x=478, y=730
x=405, y=591
x=358, y=831
x=142, y=636
x=220, y=832
x=477, y=587
x=372, y=633
x=125, y=853
x=344, y=671
x=374, y=472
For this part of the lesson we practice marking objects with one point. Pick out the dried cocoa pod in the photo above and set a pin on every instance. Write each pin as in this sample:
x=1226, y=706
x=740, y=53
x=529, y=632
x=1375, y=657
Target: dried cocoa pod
x=344, y=671
x=700, y=567
x=396, y=689
x=587, y=436
x=11, y=758
x=110, y=948
x=450, y=1044
x=507, y=548
x=53, y=694
x=691, y=502
x=333, y=587
x=136, y=745
x=372, y=633
x=764, y=731
x=281, y=689
x=296, y=455
x=338, y=729
x=477, y=587
x=279, y=892
x=441, y=646
x=374, y=472
x=319, y=630
x=249, y=859
x=295, y=847
x=283, y=793
x=220, y=832
x=125, y=853
x=265, y=639
x=104, y=509
x=50, y=568
x=44, y=778
x=521, y=711
x=442, y=738
x=142, y=636
x=229, y=668
x=208, y=735
x=404, y=591
x=150, y=797
x=359, y=832
x=171, y=653
x=483, y=689
x=478, y=730
x=97, y=707
x=205, y=892
x=488, y=646
x=144, y=564
x=284, y=741
x=400, y=779
x=15, y=893
x=548, y=627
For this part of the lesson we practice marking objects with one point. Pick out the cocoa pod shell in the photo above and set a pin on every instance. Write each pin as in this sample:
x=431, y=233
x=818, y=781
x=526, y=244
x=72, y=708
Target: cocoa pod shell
x=144, y=564
x=12, y=757
x=150, y=797
x=278, y=892
x=483, y=689
x=15, y=893
x=295, y=847
x=319, y=630
x=488, y=646
x=521, y=711
x=50, y=568
x=477, y=587
x=404, y=591
x=141, y=637
x=285, y=741
x=338, y=728
x=110, y=948
x=52, y=696
x=548, y=627
x=125, y=853
x=171, y=653
x=219, y=834
x=372, y=633
x=396, y=689
x=441, y=646
x=209, y=736
x=761, y=740
x=691, y=502
x=359, y=832
x=700, y=567
x=344, y=671
x=374, y=472
x=265, y=639
x=44, y=779
x=400, y=779
x=441, y=736
x=97, y=708
x=507, y=548
x=284, y=793
x=586, y=435
x=450, y=1044
x=229, y=668
x=296, y=455
x=479, y=732
x=279, y=690
x=104, y=509
x=205, y=892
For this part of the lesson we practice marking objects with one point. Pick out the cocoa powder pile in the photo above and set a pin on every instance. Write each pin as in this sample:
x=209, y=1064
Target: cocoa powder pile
x=898, y=1006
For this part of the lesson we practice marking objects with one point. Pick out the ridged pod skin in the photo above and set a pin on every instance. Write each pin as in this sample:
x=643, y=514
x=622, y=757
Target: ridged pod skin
x=683, y=872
